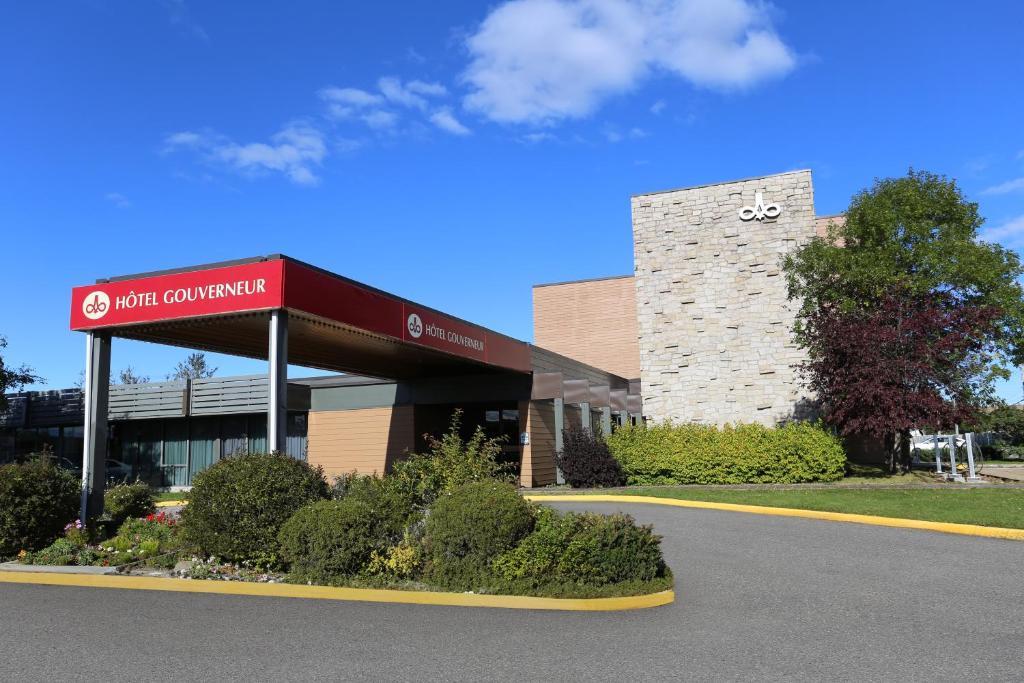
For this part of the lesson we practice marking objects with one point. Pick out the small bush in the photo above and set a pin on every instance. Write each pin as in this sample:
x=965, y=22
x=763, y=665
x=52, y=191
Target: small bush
x=586, y=462
x=122, y=501
x=37, y=499
x=451, y=462
x=468, y=528
x=370, y=517
x=748, y=453
x=583, y=549
x=237, y=506
x=330, y=538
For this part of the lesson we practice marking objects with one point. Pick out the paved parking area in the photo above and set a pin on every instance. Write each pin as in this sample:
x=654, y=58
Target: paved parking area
x=759, y=598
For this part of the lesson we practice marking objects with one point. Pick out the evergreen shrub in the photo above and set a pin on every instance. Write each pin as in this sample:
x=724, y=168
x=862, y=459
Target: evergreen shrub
x=468, y=528
x=237, y=506
x=37, y=499
x=582, y=549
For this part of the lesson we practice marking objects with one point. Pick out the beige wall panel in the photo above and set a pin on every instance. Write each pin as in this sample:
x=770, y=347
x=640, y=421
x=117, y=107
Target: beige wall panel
x=593, y=321
x=538, y=467
x=363, y=441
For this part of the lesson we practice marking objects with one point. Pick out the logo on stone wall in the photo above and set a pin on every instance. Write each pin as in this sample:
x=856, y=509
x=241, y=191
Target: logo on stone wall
x=414, y=325
x=760, y=210
x=95, y=305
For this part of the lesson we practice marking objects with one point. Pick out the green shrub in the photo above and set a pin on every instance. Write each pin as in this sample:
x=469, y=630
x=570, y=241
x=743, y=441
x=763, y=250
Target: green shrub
x=331, y=538
x=37, y=499
x=748, y=453
x=238, y=505
x=586, y=462
x=451, y=462
x=583, y=549
x=469, y=527
x=122, y=501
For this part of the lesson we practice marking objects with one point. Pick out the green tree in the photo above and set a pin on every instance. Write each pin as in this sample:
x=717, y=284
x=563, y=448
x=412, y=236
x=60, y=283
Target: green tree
x=193, y=367
x=13, y=378
x=916, y=238
x=916, y=234
x=129, y=376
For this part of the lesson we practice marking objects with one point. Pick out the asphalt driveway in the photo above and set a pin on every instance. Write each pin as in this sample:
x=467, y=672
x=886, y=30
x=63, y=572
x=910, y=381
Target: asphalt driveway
x=758, y=598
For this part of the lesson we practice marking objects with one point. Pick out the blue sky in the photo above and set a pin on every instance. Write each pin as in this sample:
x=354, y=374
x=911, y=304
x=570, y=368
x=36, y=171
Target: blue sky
x=457, y=153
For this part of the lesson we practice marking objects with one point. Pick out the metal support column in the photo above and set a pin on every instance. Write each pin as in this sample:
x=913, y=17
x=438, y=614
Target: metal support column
x=606, y=420
x=94, y=431
x=938, y=457
x=559, y=428
x=585, y=417
x=277, y=402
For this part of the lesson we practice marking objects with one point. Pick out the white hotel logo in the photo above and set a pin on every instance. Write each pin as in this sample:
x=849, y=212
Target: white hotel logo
x=95, y=305
x=759, y=210
x=414, y=325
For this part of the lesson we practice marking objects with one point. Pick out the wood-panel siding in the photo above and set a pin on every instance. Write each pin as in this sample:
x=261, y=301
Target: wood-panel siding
x=363, y=441
x=539, y=456
x=593, y=321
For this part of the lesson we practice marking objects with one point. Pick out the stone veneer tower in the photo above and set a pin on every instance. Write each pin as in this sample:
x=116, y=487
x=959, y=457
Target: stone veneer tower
x=714, y=320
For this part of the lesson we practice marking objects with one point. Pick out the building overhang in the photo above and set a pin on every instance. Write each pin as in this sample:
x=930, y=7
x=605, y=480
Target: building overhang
x=335, y=323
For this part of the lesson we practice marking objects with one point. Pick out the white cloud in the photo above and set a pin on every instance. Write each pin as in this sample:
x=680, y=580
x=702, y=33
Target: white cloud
x=1015, y=185
x=658, y=107
x=117, y=199
x=544, y=60
x=1009, y=231
x=534, y=138
x=445, y=120
x=380, y=110
x=293, y=151
x=413, y=94
x=380, y=119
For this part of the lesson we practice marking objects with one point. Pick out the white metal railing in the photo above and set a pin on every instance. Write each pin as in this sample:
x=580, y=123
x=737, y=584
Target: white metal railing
x=937, y=443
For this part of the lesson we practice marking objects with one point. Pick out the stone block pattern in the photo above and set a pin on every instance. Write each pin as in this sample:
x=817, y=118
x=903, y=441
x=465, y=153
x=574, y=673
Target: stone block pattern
x=715, y=324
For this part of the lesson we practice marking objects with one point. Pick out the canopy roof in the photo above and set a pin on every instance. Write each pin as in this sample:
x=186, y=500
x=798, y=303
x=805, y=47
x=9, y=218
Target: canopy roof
x=334, y=323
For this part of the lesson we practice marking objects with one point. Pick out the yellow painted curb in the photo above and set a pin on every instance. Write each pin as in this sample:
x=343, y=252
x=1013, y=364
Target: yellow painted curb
x=288, y=590
x=944, y=527
x=171, y=503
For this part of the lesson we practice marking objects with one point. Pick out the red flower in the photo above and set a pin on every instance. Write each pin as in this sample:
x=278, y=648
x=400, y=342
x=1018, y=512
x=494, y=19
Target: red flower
x=149, y=518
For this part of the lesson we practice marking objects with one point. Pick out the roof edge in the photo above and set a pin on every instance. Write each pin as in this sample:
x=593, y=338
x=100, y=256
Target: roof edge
x=586, y=279
x=723, y=182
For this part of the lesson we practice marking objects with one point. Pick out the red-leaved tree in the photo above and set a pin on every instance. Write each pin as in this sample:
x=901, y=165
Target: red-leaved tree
x=911, y=361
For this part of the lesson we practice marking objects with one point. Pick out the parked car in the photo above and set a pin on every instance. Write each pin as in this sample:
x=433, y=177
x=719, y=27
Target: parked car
x=118, y=471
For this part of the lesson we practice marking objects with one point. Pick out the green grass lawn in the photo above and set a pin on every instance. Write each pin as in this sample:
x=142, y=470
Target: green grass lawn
x=1002, y=507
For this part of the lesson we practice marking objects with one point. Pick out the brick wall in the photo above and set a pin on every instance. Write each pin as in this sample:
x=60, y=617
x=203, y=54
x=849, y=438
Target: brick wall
x=593, y=321
x=714, y=320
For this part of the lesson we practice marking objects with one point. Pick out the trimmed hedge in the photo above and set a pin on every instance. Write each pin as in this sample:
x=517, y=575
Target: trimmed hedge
x=469, y=527
x=741, y=454
x=37, y=499
x=237, y=506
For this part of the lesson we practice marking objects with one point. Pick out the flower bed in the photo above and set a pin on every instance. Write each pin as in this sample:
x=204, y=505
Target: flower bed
x=447, y=520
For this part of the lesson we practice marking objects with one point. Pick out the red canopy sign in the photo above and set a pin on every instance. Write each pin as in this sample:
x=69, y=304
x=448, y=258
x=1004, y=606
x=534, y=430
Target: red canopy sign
x=283, y=283
x=196, y=293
